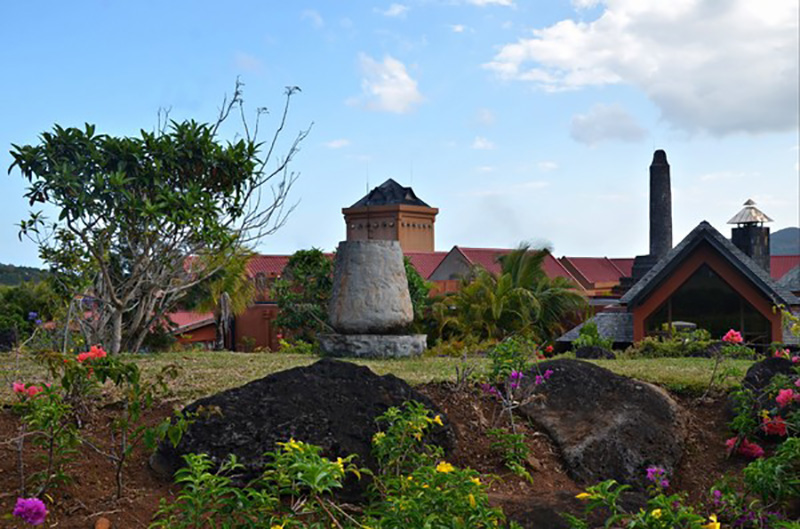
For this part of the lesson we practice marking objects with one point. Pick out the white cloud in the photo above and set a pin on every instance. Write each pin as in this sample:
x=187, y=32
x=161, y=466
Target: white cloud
x=248, y=63
x=484, y=3
x=482, y=144
x=337, y=144
x=395, y=10
x=547, y=165
x=458, y=28
x=485, y=117
x=387, y=86
x=314, y=17
x=585, y=4
x=485, y=169
x=716, y=66
x=605, y=122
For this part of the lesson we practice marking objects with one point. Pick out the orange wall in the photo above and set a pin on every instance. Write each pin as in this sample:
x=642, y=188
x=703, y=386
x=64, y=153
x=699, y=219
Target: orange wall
x=207, y=333
x=412, y=226
x=705, y=255
x=258, y=322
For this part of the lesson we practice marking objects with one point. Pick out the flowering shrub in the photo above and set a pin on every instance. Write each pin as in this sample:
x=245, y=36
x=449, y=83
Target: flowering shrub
x=47, y=423
x=415, y=487
x=31, y=510
x=662, y=512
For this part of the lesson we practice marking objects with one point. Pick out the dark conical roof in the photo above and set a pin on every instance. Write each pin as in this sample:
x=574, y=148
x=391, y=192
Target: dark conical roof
x=390, y=193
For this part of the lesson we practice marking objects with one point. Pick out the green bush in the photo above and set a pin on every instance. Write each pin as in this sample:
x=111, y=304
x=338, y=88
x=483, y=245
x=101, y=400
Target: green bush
x=589, y=336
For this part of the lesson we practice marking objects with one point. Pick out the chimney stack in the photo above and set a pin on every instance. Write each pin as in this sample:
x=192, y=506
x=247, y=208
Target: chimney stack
x=750, y=235
x=660, y=206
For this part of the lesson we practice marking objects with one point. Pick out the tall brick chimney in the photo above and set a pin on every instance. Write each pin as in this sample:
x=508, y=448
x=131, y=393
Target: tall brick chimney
x=750, y=235
x=660, y=206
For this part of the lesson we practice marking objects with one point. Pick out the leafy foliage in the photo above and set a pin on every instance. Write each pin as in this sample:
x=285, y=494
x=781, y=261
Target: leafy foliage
x=589, y=336
x=131, y=210
x=522, y=300
x=302, y=293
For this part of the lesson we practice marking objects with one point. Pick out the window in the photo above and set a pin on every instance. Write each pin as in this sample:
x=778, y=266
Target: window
x=706, y=300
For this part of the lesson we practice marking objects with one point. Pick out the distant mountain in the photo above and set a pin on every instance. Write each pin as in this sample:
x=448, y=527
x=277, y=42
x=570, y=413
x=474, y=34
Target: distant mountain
x=14, y=275
x=785, y=242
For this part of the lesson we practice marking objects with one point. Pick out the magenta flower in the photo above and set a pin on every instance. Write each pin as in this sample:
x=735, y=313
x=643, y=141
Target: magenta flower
x=732, y=337
x=31, y=510
x=655, y=473
x=785, y=397
x=797, y=382
x=18, y=387
x=538, y=380
x=548, y=373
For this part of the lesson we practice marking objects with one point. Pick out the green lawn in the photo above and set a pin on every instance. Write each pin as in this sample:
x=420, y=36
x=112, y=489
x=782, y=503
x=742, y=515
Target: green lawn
x=204, y=373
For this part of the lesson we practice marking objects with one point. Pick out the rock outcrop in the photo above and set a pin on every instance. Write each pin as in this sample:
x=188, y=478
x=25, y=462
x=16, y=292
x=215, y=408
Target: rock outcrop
x=607, y=426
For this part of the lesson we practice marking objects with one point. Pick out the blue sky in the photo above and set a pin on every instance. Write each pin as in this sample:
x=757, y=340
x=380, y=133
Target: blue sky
x=519, y=120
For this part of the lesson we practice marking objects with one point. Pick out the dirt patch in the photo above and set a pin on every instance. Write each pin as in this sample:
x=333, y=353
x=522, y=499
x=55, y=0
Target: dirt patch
x=471, y=415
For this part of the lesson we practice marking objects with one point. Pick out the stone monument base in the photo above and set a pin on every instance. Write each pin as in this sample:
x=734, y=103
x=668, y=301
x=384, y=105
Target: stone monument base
x=373, y=345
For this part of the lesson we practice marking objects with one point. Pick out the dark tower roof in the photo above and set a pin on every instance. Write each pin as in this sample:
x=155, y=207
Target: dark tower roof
x=390, y=193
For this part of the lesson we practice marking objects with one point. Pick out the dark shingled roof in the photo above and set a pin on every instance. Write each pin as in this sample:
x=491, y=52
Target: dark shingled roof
x=791, y=279
x=390, y=193
x=615, y=325
x=705, y=232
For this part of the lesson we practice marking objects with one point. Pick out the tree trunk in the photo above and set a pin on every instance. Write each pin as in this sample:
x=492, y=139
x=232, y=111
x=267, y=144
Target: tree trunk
x=223, y=316
x=116, y=331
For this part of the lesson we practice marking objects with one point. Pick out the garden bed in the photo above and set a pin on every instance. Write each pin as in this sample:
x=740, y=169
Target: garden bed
x=471, y=413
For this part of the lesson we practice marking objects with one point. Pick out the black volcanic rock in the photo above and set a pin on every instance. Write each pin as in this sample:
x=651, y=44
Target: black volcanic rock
x=331, y=403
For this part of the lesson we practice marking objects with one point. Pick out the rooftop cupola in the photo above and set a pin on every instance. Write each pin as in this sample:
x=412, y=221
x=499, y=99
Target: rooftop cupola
x=750, y=235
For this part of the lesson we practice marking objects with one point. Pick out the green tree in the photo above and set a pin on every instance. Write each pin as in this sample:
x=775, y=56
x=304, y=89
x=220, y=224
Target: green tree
x=142, y=219
x=302, y=293
x=521, y=299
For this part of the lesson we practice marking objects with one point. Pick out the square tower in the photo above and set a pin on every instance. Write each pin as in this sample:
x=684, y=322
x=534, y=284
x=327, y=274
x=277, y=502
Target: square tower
x=391, y=212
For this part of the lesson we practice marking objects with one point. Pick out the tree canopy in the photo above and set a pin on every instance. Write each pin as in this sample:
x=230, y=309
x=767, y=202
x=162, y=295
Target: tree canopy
x=141, y=219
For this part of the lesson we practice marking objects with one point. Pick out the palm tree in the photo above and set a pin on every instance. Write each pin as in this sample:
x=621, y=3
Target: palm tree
x=521, y=299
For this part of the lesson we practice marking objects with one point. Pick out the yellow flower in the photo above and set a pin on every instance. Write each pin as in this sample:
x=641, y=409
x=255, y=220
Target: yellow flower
x=476, y=481
x=409, y=478
x=765, y=414
x=424, y=485
x=418, y=436
x=656, y=513
x=276, y=526
x=472, y=502
x=444, y=467
x=714, y=524
x=378, y=437
x=340, y=463
x=584, y=496
x=438, y=420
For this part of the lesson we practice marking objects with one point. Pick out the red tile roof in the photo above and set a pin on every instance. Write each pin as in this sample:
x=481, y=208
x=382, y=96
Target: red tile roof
x=269, y=265
x=780, y=264
x=487, y=258
x=598, y=269
x=186, y=318
x=425, y=262
x=624, y=264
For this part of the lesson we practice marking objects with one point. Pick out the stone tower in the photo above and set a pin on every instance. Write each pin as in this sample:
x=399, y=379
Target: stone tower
x=391, y=212
x=750, y=235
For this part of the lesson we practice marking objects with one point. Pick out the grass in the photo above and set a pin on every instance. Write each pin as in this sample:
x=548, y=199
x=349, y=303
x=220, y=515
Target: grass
x=205, y=373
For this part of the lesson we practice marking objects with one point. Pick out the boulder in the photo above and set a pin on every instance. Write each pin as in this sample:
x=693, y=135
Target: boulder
x=606, y=426
x=331, y=403
x=594, y=352
x=373, y=345
x=760, y=374
x=370, y=289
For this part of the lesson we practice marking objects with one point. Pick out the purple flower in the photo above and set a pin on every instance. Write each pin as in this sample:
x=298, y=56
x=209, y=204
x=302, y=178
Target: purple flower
x=38, y=322
x=664, y=483
x=32, y=510
x=655, y=473
x=516, y=375
x=32, y=316
x=548, y=373
x=539, y=379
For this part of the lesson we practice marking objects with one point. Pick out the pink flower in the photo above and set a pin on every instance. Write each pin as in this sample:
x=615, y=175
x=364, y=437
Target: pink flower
x=33, y=390
x=548, y=349
x=18, y=387
x=83, y=356
x=732, y=337
x=796, y=359
x=797, y=382
x=746, y=448
x=31, y=510
x=785, y=397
